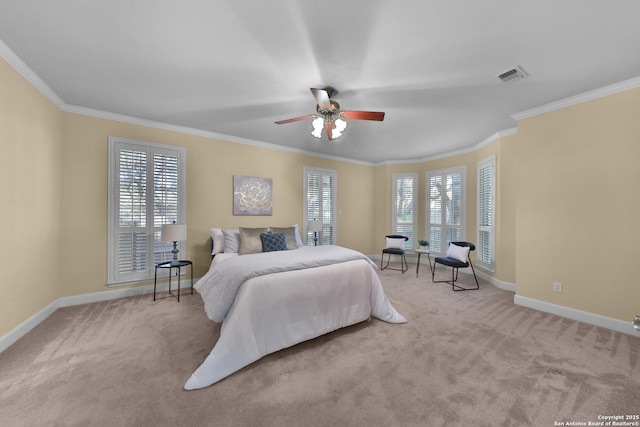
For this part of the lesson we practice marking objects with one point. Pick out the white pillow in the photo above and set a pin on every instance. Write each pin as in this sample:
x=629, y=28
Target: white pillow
x=218, y=241
x=395, y=243
x=231, y=241
x=458, y=252
x=298, y=239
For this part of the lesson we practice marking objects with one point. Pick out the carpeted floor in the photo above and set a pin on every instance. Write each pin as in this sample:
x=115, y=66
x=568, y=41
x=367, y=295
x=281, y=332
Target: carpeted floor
x=464, y=359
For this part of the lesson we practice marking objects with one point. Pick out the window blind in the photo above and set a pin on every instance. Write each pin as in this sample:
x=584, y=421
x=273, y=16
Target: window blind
x=486, y=214
x=404, y=213
x=445, y=207
x=320, y=190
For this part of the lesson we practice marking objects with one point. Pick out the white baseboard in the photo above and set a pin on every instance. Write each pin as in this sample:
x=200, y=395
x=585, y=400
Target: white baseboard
x=570, y=313
x=22, y=329
x=19, y=331
x=507, y=286
x=579, y=315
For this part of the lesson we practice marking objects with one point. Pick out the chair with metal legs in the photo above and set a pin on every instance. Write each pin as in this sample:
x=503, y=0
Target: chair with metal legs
x=458, y=256
x=395, y=246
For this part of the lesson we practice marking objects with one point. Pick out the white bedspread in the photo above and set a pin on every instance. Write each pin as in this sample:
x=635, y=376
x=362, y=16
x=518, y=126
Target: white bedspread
x=278, y=310
x=221, y=283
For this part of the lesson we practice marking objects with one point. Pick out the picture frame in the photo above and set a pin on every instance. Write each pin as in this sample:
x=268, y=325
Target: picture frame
x=252, y=195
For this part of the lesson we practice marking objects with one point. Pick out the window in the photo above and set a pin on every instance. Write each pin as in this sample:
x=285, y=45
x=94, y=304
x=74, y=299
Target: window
x=445, y=207
x=486, y=213
x=405, y=187
x=320, y=203
x=146, y=190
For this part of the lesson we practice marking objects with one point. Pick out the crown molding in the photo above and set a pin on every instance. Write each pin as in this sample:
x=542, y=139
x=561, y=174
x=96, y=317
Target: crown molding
x=27, y=73
x=578, y=99
x=198, y=132
x=486, y=141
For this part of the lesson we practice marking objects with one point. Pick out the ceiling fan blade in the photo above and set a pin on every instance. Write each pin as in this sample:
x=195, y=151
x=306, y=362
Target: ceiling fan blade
x=323, y=98
x=328, y=127
x=296, y=119
x=363, y=115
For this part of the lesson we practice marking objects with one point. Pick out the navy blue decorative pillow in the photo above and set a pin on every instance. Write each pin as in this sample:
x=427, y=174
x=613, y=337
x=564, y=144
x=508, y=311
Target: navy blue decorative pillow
x=273, y=242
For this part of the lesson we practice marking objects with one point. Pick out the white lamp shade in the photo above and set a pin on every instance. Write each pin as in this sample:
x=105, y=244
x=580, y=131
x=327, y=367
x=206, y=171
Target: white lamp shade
x=174, y=232
x=315, y=226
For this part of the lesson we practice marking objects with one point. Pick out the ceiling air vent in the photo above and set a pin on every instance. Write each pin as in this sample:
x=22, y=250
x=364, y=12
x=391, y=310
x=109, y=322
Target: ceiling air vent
x=513, y=74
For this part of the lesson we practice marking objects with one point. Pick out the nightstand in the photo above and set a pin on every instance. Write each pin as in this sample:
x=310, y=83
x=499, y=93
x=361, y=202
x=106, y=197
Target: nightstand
x=170, y=266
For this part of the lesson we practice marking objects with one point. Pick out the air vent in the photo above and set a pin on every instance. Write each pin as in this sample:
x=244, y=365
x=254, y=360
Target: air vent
x=513, y=74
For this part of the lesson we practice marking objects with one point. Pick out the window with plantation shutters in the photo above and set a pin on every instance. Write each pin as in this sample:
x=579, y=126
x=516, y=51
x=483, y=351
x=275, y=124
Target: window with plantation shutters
x=320, y=203
x=404, y=216
x=146, y=190
x=445, y=208
x=485, y=245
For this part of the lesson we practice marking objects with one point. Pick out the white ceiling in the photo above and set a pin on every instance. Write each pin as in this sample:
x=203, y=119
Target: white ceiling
x=234, y=67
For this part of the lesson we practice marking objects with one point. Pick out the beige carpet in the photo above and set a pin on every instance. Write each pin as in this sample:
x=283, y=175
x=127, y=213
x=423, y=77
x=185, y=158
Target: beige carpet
x=464, y=359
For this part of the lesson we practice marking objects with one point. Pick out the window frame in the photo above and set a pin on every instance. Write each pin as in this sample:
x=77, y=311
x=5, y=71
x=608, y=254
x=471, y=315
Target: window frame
x=395, y=229
x=462, y=170
x=114, y=277
x=491, y=227
x=323, y=238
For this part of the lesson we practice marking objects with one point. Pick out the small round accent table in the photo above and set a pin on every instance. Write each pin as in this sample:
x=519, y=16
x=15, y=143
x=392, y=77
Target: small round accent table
x=171, y=265
x=427, y=252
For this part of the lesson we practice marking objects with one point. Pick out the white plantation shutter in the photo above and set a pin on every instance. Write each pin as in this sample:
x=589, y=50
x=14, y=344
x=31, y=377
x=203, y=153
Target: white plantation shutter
x=320, y=203
x=166, y=201
x=146, y=190
x=405, y=188
x=485, y=246
x=131, y=198
x=445, y=207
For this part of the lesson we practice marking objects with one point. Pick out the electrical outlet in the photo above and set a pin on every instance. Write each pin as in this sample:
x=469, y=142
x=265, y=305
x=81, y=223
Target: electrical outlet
x=557, y=287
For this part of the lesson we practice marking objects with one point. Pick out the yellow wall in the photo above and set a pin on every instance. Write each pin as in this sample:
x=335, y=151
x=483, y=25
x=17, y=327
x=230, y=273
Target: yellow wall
x=578, y=204
x=30, y=195
x=54, y=210
x=211, y=165
x=566, y=198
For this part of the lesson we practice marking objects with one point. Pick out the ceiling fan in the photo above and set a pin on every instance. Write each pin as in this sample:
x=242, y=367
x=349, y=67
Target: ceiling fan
x=330, y=117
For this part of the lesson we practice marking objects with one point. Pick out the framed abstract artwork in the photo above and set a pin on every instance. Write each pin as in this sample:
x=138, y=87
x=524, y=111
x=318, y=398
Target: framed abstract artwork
x=251, y=195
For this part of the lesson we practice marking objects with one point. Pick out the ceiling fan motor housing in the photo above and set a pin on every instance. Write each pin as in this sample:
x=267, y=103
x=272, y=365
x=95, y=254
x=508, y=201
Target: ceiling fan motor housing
x=335, y=109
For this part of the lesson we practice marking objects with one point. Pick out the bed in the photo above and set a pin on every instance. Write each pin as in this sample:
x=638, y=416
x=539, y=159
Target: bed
x=268, y=301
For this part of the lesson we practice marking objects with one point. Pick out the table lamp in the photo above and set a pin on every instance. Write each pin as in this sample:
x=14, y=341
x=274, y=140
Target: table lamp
x=174, y=233
x=315, y=226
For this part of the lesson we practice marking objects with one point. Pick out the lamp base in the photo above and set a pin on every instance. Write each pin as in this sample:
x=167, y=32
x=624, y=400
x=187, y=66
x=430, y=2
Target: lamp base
x=175, y=261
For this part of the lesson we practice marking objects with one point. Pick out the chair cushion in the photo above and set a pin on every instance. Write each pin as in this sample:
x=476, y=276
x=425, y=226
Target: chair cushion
x=451, y=262
x=461, y=253
x=394, y=251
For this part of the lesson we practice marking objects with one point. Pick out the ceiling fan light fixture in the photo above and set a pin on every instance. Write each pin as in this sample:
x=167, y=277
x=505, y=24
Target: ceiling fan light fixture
x=330, y=117
x=318, y=124
x=340, y=125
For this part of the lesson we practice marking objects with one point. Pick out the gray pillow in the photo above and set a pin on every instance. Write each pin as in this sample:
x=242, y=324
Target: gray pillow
x=250, y=242
x=289, y=235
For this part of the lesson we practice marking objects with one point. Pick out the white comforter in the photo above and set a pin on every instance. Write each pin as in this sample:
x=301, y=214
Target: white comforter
x=275, y=311
x=220, y=285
